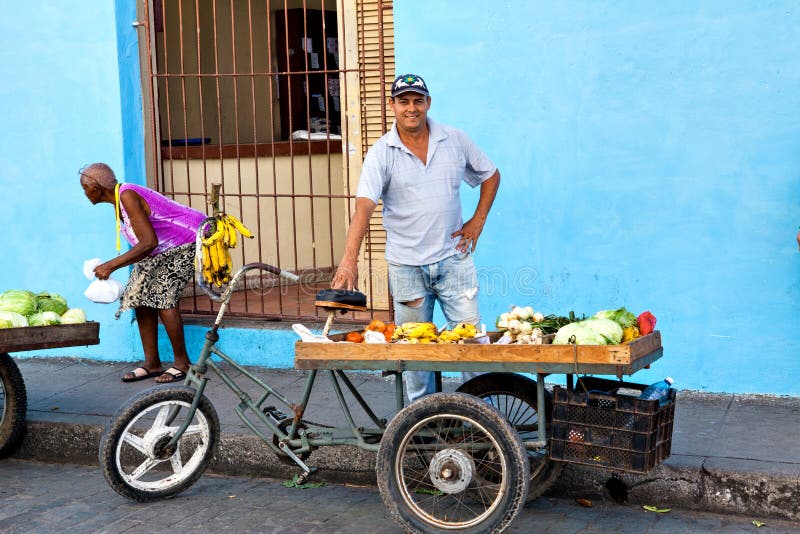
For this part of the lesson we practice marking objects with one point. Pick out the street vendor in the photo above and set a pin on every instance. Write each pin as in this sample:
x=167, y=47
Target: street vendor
x=161, y=233
x=416, y=169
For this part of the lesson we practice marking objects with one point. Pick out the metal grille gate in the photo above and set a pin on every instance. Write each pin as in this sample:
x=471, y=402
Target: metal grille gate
x=277, y=100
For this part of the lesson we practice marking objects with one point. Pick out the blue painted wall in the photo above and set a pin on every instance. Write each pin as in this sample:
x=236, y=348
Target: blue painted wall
x=60, y=103
x=650, y=157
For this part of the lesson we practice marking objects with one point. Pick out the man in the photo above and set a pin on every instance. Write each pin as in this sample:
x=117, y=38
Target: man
x=417, y=169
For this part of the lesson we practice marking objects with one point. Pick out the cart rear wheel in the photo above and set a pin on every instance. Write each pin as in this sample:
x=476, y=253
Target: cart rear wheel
x=13, y=405
x=515, y=396
x=135, y=455
x=430, y=460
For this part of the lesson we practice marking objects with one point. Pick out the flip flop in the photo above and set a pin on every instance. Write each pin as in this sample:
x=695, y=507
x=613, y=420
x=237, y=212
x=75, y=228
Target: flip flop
x=135, y=378
x=175, y=376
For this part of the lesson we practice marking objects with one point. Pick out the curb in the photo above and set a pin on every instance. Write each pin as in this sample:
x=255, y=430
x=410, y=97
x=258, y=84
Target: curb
x=693, y=487
x=684, y=482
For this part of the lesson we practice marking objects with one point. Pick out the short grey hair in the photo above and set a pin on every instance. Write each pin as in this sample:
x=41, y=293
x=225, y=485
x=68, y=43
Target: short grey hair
x=100, y=173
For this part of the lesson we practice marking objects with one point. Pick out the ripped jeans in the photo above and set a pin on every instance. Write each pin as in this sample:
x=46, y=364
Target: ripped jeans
x=415, y=288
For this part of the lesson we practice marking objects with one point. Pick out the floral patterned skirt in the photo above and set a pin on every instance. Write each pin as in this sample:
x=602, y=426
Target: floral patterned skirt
x=158, y=281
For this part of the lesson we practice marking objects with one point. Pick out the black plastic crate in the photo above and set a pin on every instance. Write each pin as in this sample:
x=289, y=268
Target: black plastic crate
x=593, y=425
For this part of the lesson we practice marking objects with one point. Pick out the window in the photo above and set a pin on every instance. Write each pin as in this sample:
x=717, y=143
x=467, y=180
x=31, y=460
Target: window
x=252, y=95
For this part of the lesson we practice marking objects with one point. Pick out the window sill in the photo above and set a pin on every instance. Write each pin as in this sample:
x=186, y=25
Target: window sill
x=279, y=148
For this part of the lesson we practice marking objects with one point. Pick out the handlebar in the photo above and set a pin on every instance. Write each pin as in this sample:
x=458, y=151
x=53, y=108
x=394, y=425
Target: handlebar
x=225, y=295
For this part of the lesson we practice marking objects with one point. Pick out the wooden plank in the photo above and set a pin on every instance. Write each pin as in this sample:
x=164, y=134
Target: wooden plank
x=49, y=337
x=392, y=355
x=510, y=367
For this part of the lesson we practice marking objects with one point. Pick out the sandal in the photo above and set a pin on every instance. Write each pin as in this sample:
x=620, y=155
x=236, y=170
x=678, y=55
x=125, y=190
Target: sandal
x=175, y=375
x=135, y=375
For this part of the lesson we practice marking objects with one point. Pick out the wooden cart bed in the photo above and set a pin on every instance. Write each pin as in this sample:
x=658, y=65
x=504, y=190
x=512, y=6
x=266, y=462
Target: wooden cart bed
x=49, y=337
x=609, y=359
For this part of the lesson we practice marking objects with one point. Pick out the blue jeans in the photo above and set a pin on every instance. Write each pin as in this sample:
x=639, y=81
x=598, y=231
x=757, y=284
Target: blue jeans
x=454, y=283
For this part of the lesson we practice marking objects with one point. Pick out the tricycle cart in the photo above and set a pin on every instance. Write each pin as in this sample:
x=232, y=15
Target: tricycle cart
x=428, y=493
x=13, y=398
x=463, y=461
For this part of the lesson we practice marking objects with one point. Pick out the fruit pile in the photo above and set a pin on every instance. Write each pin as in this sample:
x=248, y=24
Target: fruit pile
x=375, y=325
x=414, y=333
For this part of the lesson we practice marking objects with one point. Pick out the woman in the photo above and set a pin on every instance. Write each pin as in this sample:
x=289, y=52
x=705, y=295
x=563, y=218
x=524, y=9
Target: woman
x=161, y=233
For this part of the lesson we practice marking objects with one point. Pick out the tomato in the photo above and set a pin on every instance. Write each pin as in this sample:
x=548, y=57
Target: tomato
x=389, y=332
x=354, y=337
x=377, y=325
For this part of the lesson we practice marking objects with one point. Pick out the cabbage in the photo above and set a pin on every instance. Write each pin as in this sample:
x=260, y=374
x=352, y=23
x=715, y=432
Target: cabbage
x=578, y=334
x=14, y=318
x=44, y=319
x=73, y=316
x=621, y=316
x=605, y=327
x=5, y=323
x=18, y=301
x=51, y=302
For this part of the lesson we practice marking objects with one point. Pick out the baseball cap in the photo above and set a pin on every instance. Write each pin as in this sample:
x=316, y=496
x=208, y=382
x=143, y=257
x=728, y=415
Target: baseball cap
x=409, y=82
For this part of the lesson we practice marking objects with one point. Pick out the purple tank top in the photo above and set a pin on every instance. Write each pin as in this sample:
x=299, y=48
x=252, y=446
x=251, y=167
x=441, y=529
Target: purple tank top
x=174, y=223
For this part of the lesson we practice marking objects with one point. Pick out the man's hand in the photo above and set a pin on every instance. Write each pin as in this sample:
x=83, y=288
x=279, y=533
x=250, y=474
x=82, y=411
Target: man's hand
x=472, y=229
x=345, y=276
x=469, y=233
x=798, y=240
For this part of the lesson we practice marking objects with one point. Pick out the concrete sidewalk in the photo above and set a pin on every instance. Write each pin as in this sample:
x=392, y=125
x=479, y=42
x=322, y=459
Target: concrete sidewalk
x=730, y=453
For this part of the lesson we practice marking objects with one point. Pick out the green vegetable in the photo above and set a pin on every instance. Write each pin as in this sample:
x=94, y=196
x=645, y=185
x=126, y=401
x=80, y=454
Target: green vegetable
x=607, y=328
x=14, y=318
x=621, y=316
x=656, y=509
x=51, y=302
x=44, y=319
x=578, y=334
x=73, y=316
x=18, y=301
x=5, y=323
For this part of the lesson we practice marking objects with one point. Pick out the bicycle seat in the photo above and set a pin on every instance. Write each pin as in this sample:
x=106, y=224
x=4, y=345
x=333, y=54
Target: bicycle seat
x=341, y=298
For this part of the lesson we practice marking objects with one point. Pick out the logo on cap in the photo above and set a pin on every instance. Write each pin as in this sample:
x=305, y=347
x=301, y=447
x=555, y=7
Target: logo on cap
x=409, y=82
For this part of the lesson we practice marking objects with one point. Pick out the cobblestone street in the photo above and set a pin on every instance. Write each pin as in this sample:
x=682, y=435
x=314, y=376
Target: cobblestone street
x=39, y=497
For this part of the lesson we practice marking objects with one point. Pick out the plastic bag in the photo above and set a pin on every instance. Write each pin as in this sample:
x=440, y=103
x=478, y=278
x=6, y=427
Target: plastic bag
x=101, y=291
x=307, y=336
x=374, y=337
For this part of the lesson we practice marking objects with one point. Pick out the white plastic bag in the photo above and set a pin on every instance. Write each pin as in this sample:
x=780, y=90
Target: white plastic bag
x=307, y=336
x=101, y=291
x=374, y=337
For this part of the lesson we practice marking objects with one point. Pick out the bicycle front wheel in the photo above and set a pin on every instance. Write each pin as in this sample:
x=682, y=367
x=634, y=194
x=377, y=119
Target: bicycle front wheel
x=135, y=455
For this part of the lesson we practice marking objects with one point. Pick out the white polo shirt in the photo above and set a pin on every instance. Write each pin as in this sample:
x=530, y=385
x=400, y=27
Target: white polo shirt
x=422, y=202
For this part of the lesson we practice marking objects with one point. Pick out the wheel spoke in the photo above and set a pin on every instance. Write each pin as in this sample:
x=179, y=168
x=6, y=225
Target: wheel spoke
x=143, y=468
x=192, y=430
x=175, y=461
x=161, y=418
x=134, y=441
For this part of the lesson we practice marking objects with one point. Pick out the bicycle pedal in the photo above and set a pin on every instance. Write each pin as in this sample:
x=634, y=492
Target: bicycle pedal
x=273, y=412
x=372, y=438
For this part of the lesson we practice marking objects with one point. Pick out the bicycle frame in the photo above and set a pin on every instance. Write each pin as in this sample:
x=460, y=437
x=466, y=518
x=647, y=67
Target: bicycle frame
x=301, y=436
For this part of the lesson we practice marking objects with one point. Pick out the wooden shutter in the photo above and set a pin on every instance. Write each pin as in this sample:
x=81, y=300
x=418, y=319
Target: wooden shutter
x=374, y=54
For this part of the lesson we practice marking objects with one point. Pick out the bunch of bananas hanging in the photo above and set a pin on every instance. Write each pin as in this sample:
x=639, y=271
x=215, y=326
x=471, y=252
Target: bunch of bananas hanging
x=216, y=248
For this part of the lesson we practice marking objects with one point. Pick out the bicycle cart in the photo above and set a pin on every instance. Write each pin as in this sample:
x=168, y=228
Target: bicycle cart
x=463, y=461
x=513, y=462
x=13, y=398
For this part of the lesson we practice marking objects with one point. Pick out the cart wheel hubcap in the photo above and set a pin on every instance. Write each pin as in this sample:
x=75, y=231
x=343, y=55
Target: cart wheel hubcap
x=156, y=446
x=451, y=471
